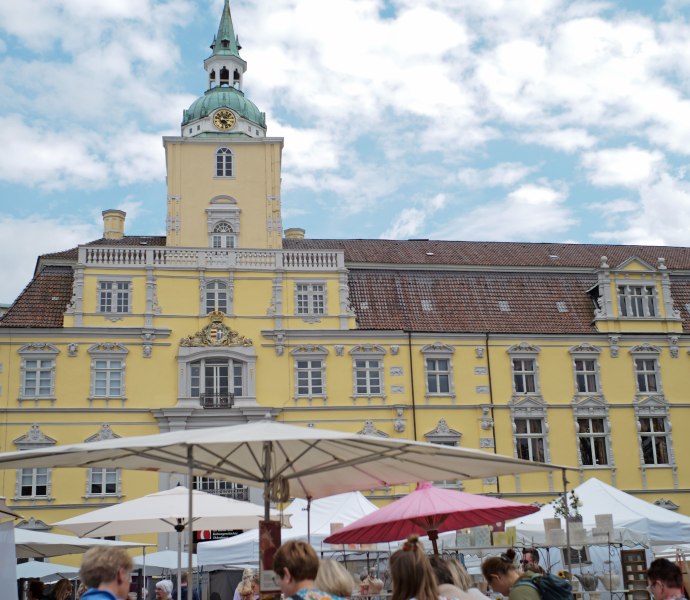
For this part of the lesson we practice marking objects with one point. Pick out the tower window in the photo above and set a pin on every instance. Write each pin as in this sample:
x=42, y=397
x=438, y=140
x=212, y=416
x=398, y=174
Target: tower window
x=224, y=76
x=224, y=162
x=223, y=236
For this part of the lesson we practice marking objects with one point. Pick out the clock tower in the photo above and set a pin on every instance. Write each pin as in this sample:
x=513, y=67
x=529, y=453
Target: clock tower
x=223, y=172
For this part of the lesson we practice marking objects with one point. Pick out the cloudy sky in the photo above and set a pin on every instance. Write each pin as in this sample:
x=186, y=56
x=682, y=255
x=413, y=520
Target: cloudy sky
x=539, y=120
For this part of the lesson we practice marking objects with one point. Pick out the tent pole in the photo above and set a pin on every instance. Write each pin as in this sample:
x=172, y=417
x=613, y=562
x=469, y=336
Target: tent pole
x=309, y=520
x=268, y=449
x=567, y=524
x=190, y=527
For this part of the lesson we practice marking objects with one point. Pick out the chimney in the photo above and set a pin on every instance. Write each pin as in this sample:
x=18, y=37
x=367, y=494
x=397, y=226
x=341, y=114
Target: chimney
x=114, y=224
x=294, y=233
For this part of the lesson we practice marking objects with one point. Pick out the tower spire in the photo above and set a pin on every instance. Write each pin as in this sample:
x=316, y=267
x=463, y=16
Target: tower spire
x=225, y=42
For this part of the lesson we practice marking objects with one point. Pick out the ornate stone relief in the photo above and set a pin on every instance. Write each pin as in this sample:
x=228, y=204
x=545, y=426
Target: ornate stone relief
x=486, y=422
x=216, y=334
x=370, y=429
x=34, y=438
x=667, y=504
x=105, y=433
x=399, y=421
x=443, y=434
x=614, y=349
x=673, y=345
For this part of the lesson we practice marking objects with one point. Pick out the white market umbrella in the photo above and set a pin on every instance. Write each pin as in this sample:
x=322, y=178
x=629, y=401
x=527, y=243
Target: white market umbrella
x=165, y=512
x=286, y=460
x=41, y=544
x=35, y=569
x=165, y=560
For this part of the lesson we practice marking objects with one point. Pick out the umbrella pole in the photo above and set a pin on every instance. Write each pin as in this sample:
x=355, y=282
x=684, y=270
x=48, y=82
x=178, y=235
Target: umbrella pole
x=268, y=449
x=433, y=536
x=190, y=518
x=179, y=560
x=567, y=525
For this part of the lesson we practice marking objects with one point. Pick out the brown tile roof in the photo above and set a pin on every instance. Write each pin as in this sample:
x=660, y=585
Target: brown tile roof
x=452, y=301
x=43, y=301
x=128, y=240
x=498, y=254
x=680, y=292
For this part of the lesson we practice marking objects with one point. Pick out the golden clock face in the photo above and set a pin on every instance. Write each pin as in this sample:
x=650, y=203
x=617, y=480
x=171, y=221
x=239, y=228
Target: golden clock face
x=224, y=119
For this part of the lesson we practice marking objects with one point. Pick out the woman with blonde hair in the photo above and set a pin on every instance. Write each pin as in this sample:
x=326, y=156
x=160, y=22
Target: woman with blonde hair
x=62, y=590
x=411, y=573
x=333, y=578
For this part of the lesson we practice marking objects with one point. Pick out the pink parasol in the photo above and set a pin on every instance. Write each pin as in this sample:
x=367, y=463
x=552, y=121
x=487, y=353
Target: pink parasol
x=429, y=511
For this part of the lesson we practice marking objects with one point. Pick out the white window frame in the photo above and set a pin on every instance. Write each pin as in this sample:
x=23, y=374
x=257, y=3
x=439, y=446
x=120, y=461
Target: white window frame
x=216, y=296
x=117, y=296
x=224, y=166
x=524, y=352
x=311, y=298
x=637, y=300
x=531, y=436
x=437, y=352
x=34, y=473
x=313, y=372
x=221, y=487
x=206, y=285
x=591, y=437
x=644, y=355
x=45, y=357
x=373, y=358
x=109, y=353
x=654, y=434
x=235, y=369
x=583, y=353
x=222, y=211
x=33, y=439
x=108, y=475
x=223, y=236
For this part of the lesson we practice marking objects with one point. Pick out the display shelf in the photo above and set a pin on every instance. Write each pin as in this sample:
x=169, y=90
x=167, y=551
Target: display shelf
x=634, y=565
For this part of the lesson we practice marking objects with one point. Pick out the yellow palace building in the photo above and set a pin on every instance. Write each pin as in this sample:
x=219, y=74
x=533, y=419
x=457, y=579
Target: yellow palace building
x=565, y=353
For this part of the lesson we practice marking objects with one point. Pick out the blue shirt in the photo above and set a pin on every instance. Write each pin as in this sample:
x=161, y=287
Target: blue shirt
x=94, y=594
x=314, y=594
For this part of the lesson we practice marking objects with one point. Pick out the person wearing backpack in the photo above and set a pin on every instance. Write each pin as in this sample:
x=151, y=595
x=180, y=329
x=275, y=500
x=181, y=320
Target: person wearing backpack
x=502, y=576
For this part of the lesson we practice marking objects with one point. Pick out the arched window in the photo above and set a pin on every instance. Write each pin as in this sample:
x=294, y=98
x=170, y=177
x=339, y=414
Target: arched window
x=216, y=296
x=223, y=236
x=224, y=162
x=216, y=381
x=224, y=76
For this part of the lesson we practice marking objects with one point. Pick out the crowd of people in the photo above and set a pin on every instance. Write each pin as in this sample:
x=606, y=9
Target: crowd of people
x=300, y=574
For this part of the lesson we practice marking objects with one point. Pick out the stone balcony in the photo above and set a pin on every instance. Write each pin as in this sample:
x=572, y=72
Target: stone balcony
x=211, y=258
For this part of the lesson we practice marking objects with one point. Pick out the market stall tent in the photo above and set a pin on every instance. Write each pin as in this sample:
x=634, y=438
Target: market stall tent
x=635, y=521
x=315, y=523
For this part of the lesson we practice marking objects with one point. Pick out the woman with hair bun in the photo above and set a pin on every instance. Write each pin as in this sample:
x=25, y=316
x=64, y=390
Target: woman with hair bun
x=412, y=575
x=501, y=574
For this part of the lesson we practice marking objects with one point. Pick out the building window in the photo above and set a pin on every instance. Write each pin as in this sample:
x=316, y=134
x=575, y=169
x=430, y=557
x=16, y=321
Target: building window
x=530, y=439
x=310, y=298
x=592, y=440
x=216, y=381
x=586, y=375
x=107, y=377
x=310, y=377
x=646, y=375
x=38, y=378
x=103, y=482
x=637, y=301
x=37, y=371
x=654, y=440
x=108, y=370
x=216, y=296
x=218, y=487
x=438, y=375
x=524, y=375
x=223, y=236
x=224, y=162
x=33, y=483
x=368, y=377
x=114, y=296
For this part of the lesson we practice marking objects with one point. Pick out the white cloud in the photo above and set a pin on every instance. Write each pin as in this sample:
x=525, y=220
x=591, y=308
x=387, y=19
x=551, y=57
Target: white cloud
x=411, y=221
x=501, y=175
x=530, y=212
x=627, y=167
x=24, y=239
x=568, y=139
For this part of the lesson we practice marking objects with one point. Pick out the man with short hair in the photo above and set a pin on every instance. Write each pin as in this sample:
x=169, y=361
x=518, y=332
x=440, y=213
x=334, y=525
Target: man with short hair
x=106, y=571
x=184, y=587
x=530, y=561
x=665, y=580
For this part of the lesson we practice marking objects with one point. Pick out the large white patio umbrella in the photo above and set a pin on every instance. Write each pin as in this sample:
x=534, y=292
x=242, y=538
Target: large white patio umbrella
x=165, y=512
x=285, y=460
x=41, y=544
x=35, y=569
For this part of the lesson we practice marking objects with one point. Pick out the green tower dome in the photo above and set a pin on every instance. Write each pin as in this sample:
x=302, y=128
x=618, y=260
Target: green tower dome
x=224, y=97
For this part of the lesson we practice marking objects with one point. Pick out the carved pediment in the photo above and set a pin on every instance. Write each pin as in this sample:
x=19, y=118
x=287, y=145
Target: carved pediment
x=526, y=402
x=216, y=334
x=34, y=438
x=105, y=433
x=595, y=401
x=438, y=347
x=645, y=349
x=309, y=349
x=442, y=430
x=667, y=504
x=635, y=263
x=34, y=524
x=370, y=429
x=523, y=347
x=108, y=347
x=651, y=401
x=368, y=349
x=38, y=347
x=584, y=349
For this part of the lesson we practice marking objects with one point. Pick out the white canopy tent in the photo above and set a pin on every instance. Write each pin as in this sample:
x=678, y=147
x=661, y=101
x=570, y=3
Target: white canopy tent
x=635, y=521
x=41, y=544
x=243, y=550
x=157, y=563
x=45, y=571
